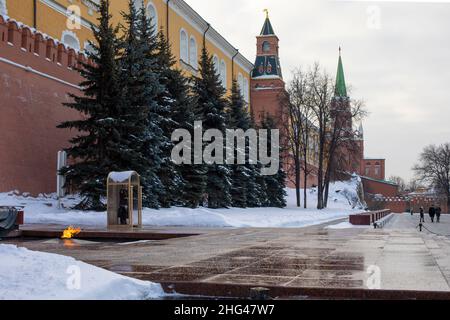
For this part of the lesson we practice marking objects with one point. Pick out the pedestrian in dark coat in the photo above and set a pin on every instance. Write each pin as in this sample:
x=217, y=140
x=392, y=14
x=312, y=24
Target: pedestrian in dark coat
x=432, y=213
x=422, y=215
x=438, y=214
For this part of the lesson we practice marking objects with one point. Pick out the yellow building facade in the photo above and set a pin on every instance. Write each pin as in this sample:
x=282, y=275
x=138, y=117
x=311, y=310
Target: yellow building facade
x=69, y=22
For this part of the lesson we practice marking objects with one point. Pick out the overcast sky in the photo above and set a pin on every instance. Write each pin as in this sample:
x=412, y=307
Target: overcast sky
x=396, y=58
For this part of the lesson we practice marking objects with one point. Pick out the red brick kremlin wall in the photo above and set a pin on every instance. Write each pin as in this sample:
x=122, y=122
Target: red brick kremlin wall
x=35, y=79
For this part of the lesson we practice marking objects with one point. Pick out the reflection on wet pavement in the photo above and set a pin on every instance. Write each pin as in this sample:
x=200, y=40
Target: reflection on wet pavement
x=311, y=257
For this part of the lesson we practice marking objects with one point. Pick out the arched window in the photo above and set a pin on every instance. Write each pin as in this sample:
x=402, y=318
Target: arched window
x=216, y=64
x=266, y=46
x=137, y=4
x=246, y=91
x=3, y=9
x=223, y=73
x=70, y=39
x=184, y=48
x=241, y=83
x=88, y=48
x=153, y=15
x=193, y=53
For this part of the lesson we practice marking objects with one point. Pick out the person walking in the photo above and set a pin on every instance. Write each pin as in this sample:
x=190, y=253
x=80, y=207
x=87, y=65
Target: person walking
x=438, y=214
x=432, y=213
x=422, y=215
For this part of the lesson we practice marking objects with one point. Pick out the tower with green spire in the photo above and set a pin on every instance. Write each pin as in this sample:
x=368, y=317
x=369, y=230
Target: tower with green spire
x=341, y=88
x=341, y=101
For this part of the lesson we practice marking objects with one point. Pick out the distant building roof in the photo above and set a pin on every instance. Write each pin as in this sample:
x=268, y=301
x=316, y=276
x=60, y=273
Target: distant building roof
x=379, y=180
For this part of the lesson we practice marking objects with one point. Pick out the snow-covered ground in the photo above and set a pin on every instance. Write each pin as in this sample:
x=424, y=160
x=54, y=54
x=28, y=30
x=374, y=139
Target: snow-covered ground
x=32, y=275
x=345, y=225
x=343, y=201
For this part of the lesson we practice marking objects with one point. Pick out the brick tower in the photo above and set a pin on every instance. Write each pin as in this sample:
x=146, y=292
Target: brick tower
x=351, y=150
x=267, y=85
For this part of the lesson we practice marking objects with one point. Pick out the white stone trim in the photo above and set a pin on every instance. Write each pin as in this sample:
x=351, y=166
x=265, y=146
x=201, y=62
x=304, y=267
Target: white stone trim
x=63, y=10
x=45, y=75
x=196, y=21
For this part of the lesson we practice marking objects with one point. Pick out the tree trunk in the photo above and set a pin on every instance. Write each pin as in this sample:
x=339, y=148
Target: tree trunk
x=320, y=186
x=305, y=192
x=297, y=181
x=327, y=185
x=327, y=190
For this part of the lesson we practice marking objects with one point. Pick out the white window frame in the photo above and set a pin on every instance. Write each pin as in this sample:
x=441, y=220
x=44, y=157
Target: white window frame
x=216, y=64
x=241, y=83
x=3, y=8
x=223, y=73
x=184, y=50
x=137, y=4
x=246, y=90
x=154, y=18
x=87, y=47
x=70, y=34
x=193, y=52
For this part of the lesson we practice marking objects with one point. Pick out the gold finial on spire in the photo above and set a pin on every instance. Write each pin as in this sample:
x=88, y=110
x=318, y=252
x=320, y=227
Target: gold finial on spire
x=340, y=50
x=267, y=13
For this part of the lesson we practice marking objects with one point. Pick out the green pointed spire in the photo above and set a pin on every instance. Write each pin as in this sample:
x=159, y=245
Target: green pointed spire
x=267, y=29
x=341, y=88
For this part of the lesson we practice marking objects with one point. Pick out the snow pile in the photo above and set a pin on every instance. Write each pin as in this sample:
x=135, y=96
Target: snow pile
x=343, y=200
x=121, y=176
x=345, y=225
x=35, y=275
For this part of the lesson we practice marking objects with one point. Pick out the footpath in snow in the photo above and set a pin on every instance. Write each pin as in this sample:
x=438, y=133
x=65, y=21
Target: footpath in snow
x=31, y=275
x=343, y=201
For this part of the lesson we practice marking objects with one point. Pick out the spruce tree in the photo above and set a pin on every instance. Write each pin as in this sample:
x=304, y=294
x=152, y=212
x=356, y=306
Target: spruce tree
x=179, y=181
x=256, y=186
x=275, y=184
x=241, y=175
x=142, y=116
x=211, y=105
x=97, y=149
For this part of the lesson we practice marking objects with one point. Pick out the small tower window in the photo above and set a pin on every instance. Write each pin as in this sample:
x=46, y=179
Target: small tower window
x=266, y=46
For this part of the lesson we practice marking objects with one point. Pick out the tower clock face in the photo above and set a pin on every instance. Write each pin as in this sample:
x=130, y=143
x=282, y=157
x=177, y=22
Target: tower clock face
x=266, y=46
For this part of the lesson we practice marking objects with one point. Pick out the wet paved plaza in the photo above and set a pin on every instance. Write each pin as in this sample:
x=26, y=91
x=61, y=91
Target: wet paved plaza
x=397, y=257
